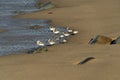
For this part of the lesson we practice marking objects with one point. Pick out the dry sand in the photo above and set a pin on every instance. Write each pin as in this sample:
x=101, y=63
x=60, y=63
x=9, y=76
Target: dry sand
x=89, y=17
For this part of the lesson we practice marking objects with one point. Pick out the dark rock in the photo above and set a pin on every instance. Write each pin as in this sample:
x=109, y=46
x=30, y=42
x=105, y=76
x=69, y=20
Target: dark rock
x=100, y=39
x=113, y=42
x=116, y=41
x=93, y=40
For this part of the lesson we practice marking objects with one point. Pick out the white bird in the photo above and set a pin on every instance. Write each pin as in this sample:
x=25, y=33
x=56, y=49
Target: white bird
x=61, y=40
x=74, y=32
x=52, y=28
x=56, y=31
x=51, y=42
x=69, y=30
x=39, y=43
x=62, y=35
x=64, y=40
x=66, y=34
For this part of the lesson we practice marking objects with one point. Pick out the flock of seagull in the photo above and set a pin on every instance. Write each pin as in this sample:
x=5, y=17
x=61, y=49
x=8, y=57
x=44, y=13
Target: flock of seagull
x=62, y=36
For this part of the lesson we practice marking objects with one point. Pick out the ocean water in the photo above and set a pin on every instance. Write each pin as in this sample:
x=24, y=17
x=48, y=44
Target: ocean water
x=9, y=7
x=18, y=36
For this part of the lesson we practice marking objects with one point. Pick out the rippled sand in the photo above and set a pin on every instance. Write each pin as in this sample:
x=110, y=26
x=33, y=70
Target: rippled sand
x=89, y=17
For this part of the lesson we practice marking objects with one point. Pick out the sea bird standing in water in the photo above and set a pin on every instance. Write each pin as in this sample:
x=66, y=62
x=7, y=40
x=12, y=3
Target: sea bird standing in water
x=56, y=31
x=63, y=41
x=66, y=34
x=51, y=42
x=72, y=32
x=52, y=28
x=62, y=36
x=39, y=43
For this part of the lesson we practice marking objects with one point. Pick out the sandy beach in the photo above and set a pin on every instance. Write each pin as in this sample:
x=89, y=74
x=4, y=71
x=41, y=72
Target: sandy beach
x=90, y=18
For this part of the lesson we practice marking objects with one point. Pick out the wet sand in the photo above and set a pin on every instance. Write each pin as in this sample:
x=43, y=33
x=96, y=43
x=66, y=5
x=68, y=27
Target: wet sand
x=90, y=18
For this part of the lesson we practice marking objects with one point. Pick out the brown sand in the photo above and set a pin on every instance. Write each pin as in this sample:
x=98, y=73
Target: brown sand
x=89, y=17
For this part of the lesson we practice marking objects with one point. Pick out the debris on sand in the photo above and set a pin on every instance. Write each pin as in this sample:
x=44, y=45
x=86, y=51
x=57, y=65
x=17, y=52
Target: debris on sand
x=86, y=60
x=100, y=39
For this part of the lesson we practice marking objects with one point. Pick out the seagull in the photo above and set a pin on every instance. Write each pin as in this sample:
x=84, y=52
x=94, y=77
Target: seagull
x=61, y=40
x=51, y=42
x=74, y=32
x=39, y=43
x=69, y=30
x=62, y=36
x=64, y=40
x=52, y=28
x=56, y=31
x=66, y=34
